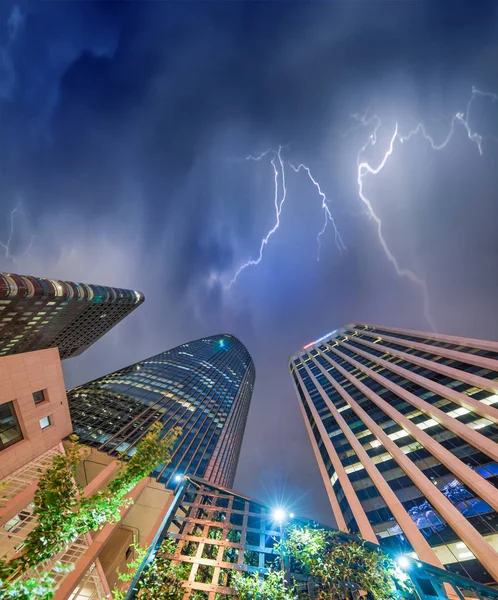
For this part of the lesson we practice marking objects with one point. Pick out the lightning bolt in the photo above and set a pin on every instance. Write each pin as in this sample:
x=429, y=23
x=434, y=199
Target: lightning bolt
x=364, y=169
x=278, y=210
x=258, y=157
x=7, y=245
x=459, y=117
x=328, y=215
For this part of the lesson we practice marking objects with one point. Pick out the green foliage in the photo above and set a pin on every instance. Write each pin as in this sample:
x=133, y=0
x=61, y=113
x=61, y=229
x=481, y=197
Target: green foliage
x=64, y=513
x=254, y=587
x=341, y=567
x=163, y=579
x=41, y=586
x=132, y=568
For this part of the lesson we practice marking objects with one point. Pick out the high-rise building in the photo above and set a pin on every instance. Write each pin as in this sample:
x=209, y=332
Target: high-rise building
x=38, y=313
x=403, y=425
x=204, y=387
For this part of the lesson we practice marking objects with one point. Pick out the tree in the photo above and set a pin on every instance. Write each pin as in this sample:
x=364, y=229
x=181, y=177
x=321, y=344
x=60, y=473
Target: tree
x=64, y=513
x=163, y=579
x=342, y=568
x=270, y=587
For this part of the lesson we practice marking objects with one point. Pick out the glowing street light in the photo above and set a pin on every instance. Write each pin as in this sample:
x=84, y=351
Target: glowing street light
x=403, y=562
x=178, y=477
x=279, y=515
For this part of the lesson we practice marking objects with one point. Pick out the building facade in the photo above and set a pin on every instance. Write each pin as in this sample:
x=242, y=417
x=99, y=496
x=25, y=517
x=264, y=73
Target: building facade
x=204, y=387
x=34, y=415
x=38, y=313
x=403, y=425
x=34, y=422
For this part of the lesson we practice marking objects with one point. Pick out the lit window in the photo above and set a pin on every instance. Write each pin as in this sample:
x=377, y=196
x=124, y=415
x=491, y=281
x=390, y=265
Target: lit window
x=490, y=400
x=426, y=424
x=458, y=412
x=45, y=422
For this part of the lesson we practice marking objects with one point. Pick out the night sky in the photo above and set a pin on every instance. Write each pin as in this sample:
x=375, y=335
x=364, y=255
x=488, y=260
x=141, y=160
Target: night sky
x=123, y=132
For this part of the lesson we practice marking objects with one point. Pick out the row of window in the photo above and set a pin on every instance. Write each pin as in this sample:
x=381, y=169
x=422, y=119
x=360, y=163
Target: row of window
x=10, y=430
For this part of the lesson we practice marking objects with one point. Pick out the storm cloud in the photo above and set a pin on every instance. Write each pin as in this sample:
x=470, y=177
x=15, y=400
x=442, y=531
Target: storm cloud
x=123, y=132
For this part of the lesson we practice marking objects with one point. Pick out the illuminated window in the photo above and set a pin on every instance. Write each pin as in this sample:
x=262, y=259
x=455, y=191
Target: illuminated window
x=45, y=422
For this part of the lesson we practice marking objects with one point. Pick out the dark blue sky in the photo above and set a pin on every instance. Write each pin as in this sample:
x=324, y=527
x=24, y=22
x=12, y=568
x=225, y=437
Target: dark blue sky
x=123, y=128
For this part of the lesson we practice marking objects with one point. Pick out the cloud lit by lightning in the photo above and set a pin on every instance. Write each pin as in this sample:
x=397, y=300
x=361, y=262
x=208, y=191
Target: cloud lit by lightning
x=258, y=157
x=364, y=169
x=279, y=170
x=7, y=246
x=328, y=215
x=373, y=124
x=278, y=210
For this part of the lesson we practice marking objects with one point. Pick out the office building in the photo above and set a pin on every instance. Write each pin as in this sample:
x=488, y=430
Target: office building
x=403, y=425
x=204, y=387
x=34, y=425
x=38, y=313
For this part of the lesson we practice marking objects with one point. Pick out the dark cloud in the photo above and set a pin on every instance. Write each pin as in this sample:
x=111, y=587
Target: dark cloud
x=123, y=128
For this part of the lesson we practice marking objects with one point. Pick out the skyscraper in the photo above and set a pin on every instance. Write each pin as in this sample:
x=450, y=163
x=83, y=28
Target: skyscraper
x=403, y=425
x=38, y=313
x=204, y=386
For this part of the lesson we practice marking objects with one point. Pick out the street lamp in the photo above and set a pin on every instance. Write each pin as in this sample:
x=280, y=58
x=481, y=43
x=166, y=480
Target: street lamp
x=279, y=515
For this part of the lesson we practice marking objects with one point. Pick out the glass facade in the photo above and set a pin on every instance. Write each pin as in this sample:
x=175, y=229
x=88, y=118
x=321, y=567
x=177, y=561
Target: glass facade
x=417, y=411
x=38, y=313
x=204, y=387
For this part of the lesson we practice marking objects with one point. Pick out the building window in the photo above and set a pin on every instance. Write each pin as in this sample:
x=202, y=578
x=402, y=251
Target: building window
x=39, y=396
x=45, y=422
x=10, y=432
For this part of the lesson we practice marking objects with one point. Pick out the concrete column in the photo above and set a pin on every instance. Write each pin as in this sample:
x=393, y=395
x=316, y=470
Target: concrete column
x=437, y=337
x=471, y=404
x=416, y=539
x=473, y=437
x=458, y=374
x=336, y=509
x=354, y=504
x=466, y=357
x=478, y=484
x=467, y=533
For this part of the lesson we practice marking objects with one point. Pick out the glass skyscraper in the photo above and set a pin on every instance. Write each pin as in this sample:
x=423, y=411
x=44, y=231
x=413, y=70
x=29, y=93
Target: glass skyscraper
x=38, y=313
x=204, y=387
x=403, y=425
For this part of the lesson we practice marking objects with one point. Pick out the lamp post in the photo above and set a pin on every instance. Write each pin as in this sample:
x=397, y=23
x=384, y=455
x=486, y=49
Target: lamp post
x=280, y=516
